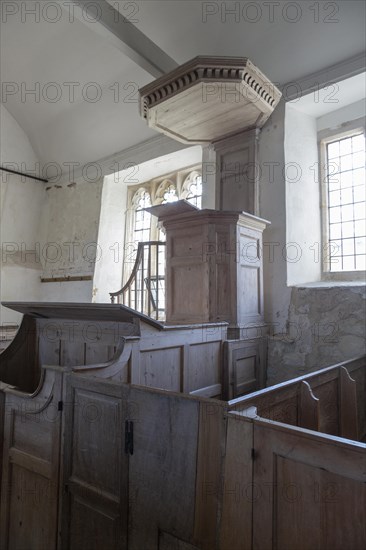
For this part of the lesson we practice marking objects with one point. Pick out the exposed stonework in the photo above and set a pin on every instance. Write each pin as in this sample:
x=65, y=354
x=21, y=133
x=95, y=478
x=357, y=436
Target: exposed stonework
x=326, y=325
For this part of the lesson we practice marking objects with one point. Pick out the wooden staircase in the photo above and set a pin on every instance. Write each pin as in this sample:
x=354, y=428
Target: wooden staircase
x=145, y=289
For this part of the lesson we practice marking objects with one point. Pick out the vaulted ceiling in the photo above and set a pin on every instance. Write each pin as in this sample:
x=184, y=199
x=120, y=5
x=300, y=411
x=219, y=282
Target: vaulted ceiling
x=87, y=84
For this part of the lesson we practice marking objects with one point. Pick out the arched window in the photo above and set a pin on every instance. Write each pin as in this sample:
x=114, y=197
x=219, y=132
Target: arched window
x=142, y=226
x=142, y=219
x=192, y=189
x=166, y=192
x=170, y=194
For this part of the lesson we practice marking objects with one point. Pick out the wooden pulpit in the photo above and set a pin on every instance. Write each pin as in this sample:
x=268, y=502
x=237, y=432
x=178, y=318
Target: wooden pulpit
x=214, y=266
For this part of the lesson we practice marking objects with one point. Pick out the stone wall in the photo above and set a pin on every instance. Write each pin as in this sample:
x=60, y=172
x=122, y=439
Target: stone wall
x=326, y=325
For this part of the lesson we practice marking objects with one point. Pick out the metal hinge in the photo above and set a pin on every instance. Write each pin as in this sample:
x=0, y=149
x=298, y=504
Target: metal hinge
x=254, y=454
x=60, y=406
x=129, y=437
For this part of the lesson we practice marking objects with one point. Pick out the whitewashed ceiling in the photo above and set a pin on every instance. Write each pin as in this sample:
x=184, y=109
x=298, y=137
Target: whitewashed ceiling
x=71, y=58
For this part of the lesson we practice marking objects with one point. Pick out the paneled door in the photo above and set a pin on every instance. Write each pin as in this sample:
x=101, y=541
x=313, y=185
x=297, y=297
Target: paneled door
x=29, y=493
x=95, y=465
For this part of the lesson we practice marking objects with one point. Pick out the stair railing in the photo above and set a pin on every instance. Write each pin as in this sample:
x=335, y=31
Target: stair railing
x=145, y=289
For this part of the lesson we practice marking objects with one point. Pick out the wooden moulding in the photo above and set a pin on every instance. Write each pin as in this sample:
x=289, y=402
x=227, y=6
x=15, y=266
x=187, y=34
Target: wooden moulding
x=209, y=98
x=67, y=279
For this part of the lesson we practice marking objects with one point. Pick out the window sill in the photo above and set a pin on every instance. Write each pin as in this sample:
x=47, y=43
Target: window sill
x=331, y=284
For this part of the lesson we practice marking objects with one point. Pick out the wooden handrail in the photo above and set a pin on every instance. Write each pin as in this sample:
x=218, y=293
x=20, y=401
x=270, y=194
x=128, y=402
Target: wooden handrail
x=140, y=249
x=148, y=273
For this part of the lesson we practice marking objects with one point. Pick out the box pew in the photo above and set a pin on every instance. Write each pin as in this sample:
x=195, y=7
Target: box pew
x=109, y=344
x=144, y=477
x=183, y=358
x=92, y=463
x=331, y=400
x=294, y=477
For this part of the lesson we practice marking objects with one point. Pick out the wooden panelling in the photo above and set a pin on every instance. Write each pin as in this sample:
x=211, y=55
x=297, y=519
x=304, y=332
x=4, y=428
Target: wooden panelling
x=149, y=469
x=359, y=375
x=249, y=299
x=312, y=490
x=308, y=409
x=204, y=366
x=210, y=464
x=162, y=470
x=32, y=521
x=234, y=185
x=218, y=277
x=246, y=367
x=244, y=371
x=72, y=353
x=348, y=405
x=316, y=508
x=183, y=359
x=329, y=400
x=169, y=542
x=92, y=529
x=95, y=468
x=31, y=454
x=161, y=369
x=327, y=394
x=236, y=518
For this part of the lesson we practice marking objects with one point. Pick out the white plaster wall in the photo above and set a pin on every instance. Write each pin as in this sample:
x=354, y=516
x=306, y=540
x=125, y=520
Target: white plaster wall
x=303, y=224
x=71, y=249
x=15, y=145
x=313, y=325
x=22, y=204
x=75, y=291
x=47, y=230
x=108, y=272
x=272, y=207
x=338, y=117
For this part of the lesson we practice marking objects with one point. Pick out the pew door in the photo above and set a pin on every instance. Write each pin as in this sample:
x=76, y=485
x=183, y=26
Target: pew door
x=95, y=468
x=29, y=493
x=309, y=490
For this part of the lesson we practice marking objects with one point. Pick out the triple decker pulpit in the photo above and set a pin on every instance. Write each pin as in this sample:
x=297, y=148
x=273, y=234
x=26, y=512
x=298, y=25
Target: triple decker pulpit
x=214, y=265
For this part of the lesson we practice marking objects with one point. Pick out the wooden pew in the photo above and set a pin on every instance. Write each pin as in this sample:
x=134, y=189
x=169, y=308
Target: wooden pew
x=183, y=358
x=90, y=461
x=75, y=478
x=298, y=471
x=106, y=347
x=329, y=400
